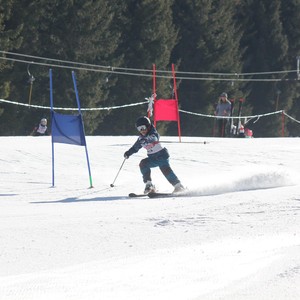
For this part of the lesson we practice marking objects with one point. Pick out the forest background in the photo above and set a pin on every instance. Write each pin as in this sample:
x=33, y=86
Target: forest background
x=248, y=49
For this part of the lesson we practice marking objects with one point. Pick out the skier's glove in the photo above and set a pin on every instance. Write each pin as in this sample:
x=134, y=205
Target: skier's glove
x=126, y=154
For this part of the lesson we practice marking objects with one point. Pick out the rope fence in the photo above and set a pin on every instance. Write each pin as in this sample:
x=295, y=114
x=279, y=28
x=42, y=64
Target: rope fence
x=69, y=108
x=146, y=102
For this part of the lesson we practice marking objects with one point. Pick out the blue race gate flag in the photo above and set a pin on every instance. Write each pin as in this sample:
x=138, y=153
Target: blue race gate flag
x=67, y=129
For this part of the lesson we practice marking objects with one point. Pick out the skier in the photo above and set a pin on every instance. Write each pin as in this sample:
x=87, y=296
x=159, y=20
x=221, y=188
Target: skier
x=40, y=129
x=157, y=156
x=223, y=109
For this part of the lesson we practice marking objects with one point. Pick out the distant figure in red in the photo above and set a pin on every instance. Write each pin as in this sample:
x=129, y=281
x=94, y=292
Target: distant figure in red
x=40, y=129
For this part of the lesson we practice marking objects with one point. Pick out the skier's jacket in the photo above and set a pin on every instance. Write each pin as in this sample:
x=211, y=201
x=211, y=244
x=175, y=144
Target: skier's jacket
x=40, y=130
x=151, y=143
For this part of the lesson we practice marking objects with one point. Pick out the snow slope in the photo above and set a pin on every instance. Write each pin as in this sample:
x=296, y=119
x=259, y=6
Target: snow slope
x=237, y=235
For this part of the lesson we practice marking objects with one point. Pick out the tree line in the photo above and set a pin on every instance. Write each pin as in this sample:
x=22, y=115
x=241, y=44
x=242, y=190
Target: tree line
x=248, y=49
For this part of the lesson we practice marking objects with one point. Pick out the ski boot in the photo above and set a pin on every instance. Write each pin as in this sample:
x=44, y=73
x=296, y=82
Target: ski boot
x=178, y=187
x=149, y=187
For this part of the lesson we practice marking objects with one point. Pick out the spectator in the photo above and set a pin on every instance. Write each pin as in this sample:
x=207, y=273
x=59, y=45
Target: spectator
x=223, y=109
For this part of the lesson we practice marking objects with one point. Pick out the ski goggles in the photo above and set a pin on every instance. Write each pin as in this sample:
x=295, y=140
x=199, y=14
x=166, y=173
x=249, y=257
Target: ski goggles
x=141, y=128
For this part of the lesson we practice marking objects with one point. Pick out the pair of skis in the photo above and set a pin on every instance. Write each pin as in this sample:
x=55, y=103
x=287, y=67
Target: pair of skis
x=239, y=123
x=239, y=115
x=155, y=195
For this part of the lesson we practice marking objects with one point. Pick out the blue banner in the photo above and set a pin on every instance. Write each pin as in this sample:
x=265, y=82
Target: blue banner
x=67, y=129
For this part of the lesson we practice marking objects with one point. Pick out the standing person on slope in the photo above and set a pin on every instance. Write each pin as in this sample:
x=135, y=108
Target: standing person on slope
x=157, y=155
x=223, y=109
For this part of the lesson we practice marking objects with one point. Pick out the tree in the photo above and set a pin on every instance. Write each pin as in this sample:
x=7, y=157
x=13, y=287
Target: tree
x=291, y=26
x=266, y=49
x=208, y=37
x=209, y=43
x=78, y=31
x=10, y=37
x=148, y=37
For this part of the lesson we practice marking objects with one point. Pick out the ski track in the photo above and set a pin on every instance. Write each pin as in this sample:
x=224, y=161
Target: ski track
x=235, y=237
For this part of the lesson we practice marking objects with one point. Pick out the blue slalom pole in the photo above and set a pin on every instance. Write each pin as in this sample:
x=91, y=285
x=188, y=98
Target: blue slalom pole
x=79, y=110
x=51, y=104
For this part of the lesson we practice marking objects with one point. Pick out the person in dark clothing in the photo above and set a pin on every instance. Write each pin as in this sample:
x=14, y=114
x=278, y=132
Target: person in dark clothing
x=157, y=156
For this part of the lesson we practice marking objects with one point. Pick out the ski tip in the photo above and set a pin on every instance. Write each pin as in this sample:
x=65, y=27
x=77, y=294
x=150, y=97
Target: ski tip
x=134, y=195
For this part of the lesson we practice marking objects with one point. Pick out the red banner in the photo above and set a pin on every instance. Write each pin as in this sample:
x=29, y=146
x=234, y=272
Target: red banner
x=165, y=110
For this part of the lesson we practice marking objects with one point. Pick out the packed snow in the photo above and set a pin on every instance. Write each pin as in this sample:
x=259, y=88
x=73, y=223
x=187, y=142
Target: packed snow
x=235, y=236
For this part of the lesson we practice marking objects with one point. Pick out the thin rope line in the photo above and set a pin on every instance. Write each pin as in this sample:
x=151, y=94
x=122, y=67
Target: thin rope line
x=70, y=108
x=144, y=102
x=110, y=69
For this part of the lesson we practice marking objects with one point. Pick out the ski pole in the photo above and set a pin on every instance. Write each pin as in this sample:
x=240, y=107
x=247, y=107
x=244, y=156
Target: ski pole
x=112, y=184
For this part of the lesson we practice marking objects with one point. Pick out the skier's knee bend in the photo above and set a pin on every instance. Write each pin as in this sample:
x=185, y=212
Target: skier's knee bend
x=169, y=174
x=143, y=163
x=145, y=170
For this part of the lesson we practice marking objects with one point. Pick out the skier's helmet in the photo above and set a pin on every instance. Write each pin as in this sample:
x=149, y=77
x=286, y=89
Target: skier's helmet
x=44, y=121
x=142, y=121
x=224, y=95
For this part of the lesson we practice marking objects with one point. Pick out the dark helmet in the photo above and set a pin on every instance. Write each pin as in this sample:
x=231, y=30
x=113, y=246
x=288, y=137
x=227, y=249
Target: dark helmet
x=142, y=121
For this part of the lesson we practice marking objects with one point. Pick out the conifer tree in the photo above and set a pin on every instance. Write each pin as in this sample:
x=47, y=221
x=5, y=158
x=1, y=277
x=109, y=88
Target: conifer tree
x=209, y=43
x=148, y=37
x=78, y=31
x=291, y=25
x=211, y=36
x=9, y=38
x=266, y=48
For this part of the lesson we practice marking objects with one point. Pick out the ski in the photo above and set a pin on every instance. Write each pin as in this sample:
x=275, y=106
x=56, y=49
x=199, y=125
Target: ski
x=134, y=195
x=166, y=195
x=158, y=195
